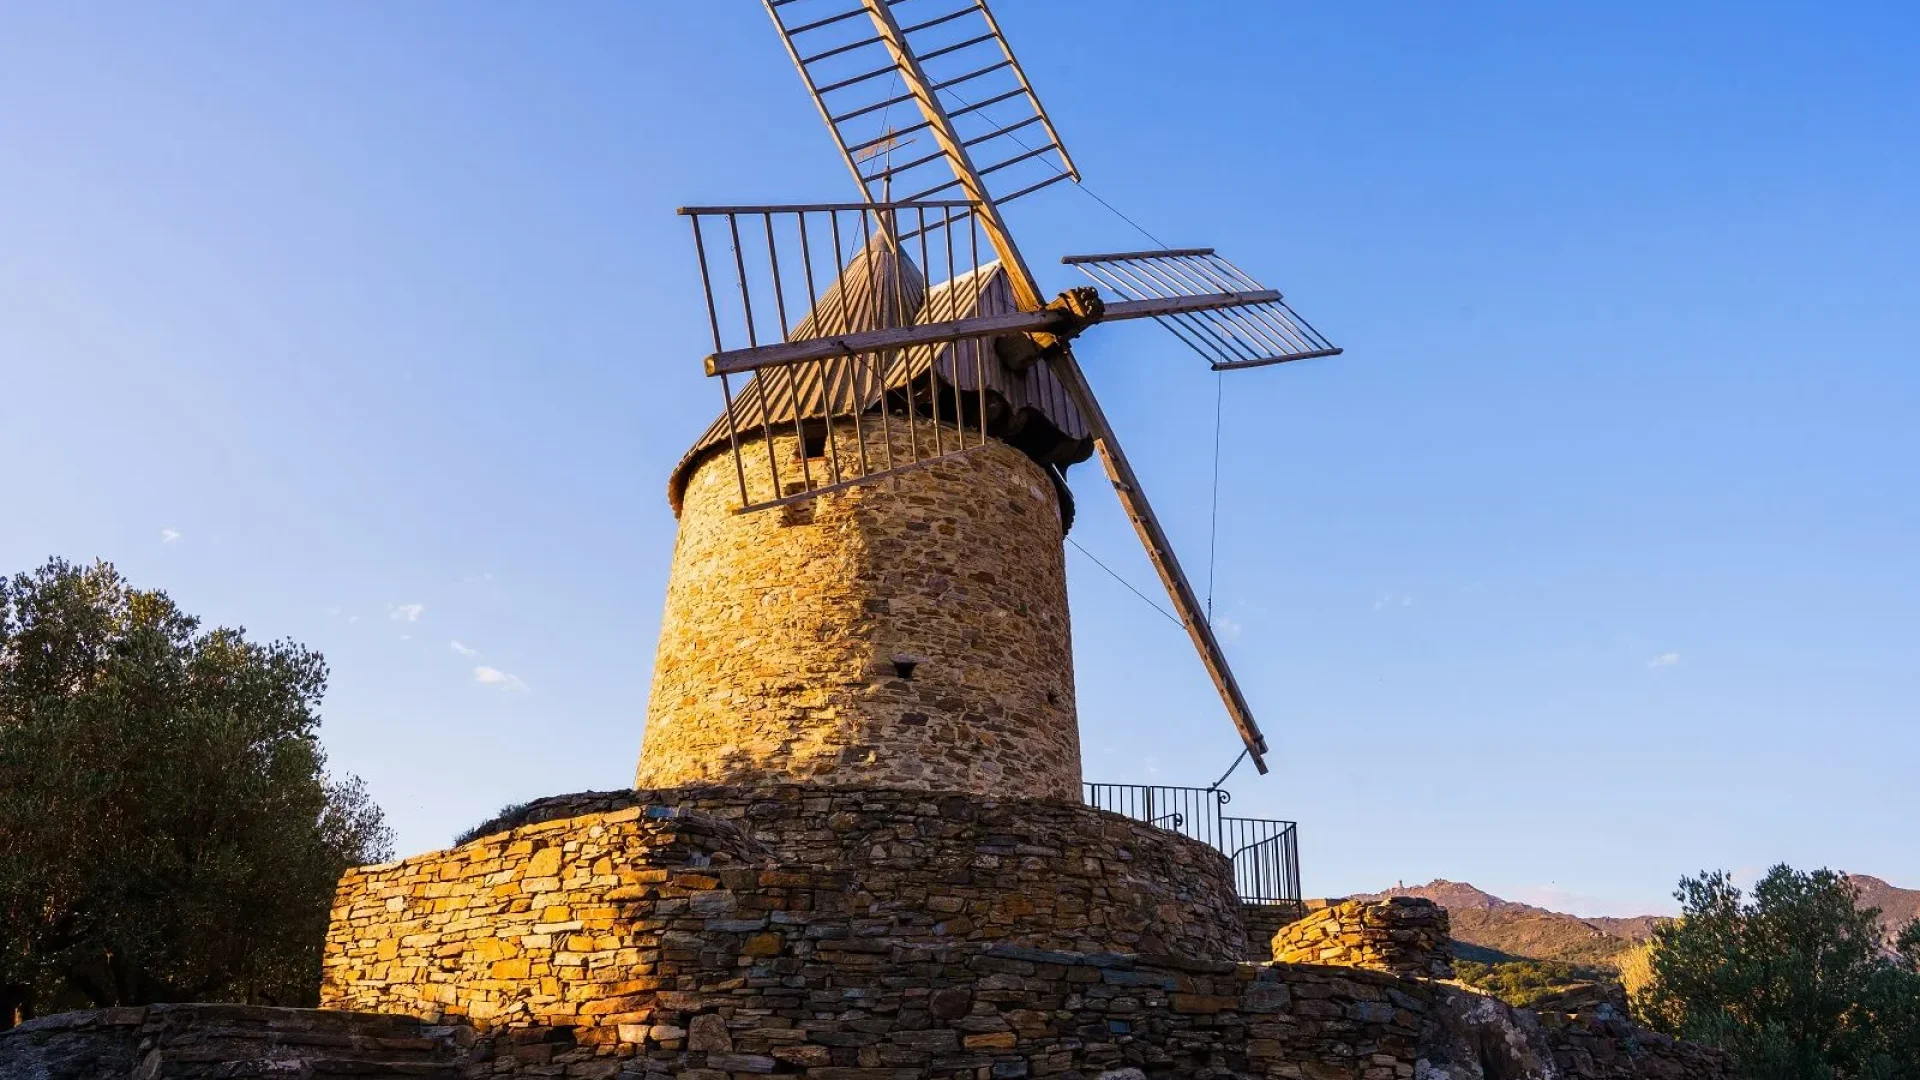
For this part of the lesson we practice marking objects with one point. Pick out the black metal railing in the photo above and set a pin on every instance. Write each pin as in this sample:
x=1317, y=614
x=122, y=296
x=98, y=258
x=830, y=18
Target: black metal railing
x=1265, y=853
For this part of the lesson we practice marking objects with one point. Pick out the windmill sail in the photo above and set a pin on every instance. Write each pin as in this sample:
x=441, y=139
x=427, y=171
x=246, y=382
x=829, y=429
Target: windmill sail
x=1229, y=337
x=856, y=68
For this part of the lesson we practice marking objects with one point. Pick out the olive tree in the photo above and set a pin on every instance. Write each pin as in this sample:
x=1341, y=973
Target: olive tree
x=168, y=829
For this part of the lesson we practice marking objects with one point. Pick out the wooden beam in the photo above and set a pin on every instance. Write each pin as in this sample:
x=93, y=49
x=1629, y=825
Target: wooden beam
x=1128, y=256
x=1026, y=291
x=1026, y=296
x=1160, y=552
x=1180, y=305
x=735, y=361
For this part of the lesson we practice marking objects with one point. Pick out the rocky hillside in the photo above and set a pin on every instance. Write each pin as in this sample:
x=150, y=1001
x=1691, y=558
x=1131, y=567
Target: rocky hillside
x=1501, y=929
x=1898, y=907
x=1504, y=929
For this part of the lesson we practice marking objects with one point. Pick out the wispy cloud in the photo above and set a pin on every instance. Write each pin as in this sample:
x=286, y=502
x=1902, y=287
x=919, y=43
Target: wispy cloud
x=1665, y=659
x=464, y=650
x=492, y=676
x=405, y=612
x=1227, y=628
x=168, y=536
x=1388, y=600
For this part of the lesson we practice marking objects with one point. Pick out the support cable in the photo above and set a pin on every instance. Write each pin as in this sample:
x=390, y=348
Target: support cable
x=1213, y=528
x=1168, y=615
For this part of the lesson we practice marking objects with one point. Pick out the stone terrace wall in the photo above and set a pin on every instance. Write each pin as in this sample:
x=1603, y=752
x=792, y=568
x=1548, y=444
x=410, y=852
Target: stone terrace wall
x=574, y=958
x=1035, y=871
x=963, y=1013
x=579, y=922
x=205, y=1042
x=783, y=628
x=1404, y=935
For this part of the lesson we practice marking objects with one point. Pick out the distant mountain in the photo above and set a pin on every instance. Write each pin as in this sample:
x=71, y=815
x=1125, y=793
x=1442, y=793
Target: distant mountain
x=1898, y=907
x=1496, y=929
x=1504, y=929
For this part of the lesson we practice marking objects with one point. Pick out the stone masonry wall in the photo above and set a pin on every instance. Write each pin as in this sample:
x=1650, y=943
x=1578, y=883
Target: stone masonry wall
x=1404, y=935
x=910, y=632
x=1262, y=922
x=569, y=955
x=977, y=1012
x=580, y=921
x=221, y=1042
x=1026, y=870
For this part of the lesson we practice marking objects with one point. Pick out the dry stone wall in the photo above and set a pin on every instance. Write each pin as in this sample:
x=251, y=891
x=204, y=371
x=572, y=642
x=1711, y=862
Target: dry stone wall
x=648, y=941
x=221, y=1042
x=1035, y=871
x=568, y=922
x=977, y=1012
x=1404, y=935
x=910, y=632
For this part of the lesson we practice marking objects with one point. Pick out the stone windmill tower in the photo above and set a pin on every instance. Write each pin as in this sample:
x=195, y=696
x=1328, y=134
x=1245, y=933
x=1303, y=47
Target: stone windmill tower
x=869, y=584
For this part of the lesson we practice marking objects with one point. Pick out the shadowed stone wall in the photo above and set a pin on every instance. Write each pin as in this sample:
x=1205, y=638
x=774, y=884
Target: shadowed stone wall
x=910, y=632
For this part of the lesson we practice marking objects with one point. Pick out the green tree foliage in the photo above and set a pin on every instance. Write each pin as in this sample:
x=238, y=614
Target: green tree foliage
x=167, y=827
x=1797, y=981
x=1524, y=983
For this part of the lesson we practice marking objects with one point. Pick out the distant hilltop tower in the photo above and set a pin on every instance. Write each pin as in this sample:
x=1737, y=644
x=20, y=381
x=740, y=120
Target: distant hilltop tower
x=909, y=631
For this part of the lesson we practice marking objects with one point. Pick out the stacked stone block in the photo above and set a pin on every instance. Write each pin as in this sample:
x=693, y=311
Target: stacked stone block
x=1403, y=935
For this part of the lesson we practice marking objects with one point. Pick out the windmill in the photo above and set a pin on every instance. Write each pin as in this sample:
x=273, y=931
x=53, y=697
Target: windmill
x=881, y=338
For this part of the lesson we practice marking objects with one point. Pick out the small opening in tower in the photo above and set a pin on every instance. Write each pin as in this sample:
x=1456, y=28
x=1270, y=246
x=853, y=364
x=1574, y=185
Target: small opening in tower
x=904, y=668
x=813, y=441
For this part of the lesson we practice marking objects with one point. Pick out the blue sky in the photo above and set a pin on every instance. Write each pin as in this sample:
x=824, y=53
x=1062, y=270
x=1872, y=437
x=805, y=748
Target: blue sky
x=1590, y=564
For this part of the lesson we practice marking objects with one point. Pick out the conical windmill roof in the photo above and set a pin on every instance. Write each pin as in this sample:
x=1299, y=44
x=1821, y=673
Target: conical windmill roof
x=879, y=289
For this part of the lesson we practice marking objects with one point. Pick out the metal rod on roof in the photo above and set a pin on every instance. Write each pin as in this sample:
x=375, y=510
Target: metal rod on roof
x=820, y=366
x=979, y=344
x=879, y=301
x=852, y=368
x=793, y=388
x=713, y=319
x=933, y=355
x=746, y=300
